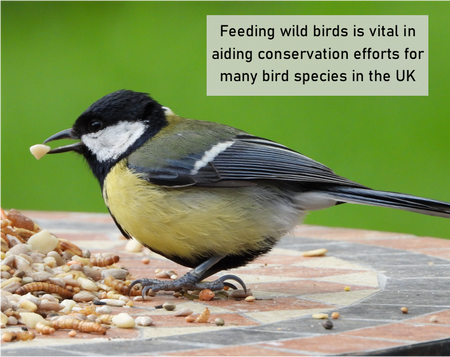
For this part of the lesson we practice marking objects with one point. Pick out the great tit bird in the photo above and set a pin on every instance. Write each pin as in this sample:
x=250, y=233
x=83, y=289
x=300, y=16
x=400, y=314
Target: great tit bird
x=205, y=195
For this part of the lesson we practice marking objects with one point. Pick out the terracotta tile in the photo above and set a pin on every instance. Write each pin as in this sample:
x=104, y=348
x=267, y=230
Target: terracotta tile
x=443, y=317
x=343, y=234
x=234, y=351
x=99, y=219
x=48, y=215
x=297, y=272
x=279, y=303
x=404, y=332
x=150, y=304
x=412, y=243
x=128, y=333
x=275, y=304
x=162, y=264
x=278, y=259
x=305, y=287
x=134, y=261
x=441, y=253
x=140, y=270
x=334, y=344
x=135, y=311
x=70, y=216
x=174, y=321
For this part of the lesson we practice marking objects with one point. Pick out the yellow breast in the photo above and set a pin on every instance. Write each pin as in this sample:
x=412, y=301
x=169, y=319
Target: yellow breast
x=196, y=221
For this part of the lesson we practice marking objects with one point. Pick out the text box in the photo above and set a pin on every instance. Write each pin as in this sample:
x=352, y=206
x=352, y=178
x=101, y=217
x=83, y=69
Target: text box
x=317, y=55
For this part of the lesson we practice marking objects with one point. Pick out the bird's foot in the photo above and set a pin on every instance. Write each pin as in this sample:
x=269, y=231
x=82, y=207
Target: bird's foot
x=189, y=281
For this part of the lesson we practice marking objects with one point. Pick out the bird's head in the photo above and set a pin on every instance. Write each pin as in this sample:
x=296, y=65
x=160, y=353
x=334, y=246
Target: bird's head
x=112, y=127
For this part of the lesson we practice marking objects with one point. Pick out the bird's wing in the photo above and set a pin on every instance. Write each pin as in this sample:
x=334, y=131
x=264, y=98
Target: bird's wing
x=226, y=159
x=254, y=158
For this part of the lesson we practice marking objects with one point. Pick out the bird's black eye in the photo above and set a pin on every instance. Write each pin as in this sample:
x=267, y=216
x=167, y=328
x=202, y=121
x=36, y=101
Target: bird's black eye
x=95, y=125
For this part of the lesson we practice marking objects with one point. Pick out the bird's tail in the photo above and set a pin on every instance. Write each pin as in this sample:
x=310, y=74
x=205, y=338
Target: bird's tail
x=401, y=201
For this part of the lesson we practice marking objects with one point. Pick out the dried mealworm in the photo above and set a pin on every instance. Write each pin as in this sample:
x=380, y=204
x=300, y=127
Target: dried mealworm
x=45, y=327
x=66, y=245
x=121, y=287
x=105, y=319
x=18, y=336
x=79, y=325
x=10, y=231
x=24, y=233
x=104, y=261
x=88, y=310
x=47, y=287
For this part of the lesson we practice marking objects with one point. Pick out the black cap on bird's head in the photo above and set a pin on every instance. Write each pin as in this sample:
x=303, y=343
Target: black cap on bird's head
x=108, y=125
x=123, y=105
x=112, y=127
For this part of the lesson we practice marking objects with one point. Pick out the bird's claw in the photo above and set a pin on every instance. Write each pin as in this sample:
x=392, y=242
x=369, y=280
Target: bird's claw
x=235, y=278
x=186, y=282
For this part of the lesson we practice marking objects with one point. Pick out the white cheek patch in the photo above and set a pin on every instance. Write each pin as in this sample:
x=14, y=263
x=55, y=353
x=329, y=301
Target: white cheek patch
x=113, y=141
x=209, y=155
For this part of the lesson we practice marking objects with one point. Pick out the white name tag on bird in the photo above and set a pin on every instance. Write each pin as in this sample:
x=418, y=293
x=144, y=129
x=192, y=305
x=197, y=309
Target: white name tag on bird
x=317, y=55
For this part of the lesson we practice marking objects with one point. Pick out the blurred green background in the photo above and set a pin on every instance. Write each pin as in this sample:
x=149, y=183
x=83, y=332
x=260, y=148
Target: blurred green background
x=59, y=57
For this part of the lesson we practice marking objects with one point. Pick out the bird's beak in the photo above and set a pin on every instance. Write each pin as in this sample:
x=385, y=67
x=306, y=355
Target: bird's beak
x=65, y=134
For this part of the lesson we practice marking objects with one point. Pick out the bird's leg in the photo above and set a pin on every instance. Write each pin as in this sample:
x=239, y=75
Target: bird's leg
x=189, y=281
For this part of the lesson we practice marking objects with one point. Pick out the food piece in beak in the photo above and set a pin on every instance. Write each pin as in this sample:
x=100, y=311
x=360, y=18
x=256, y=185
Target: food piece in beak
x=39, y=150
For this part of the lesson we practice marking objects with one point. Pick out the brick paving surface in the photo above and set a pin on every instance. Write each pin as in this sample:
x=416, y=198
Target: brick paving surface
x=385, y=271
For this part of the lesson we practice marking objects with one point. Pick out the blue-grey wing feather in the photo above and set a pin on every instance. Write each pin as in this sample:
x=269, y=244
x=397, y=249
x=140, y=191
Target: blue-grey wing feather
x=253, y=158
